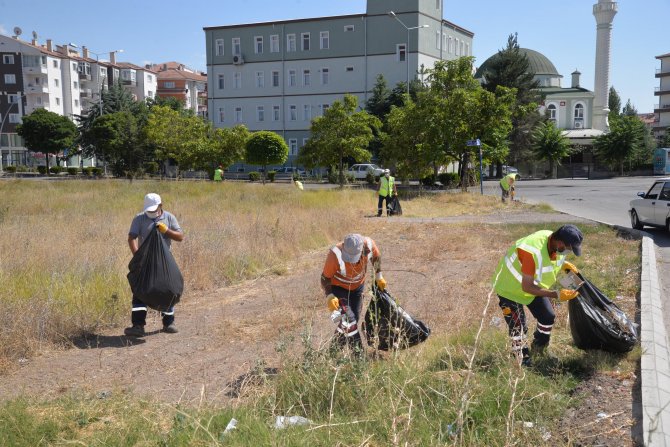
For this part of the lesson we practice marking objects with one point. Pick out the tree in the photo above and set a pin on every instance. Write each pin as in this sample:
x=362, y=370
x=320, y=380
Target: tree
x=228, y=145
x=378, y=103
x=622, y=143
x=341, y=132
x=48, y=132
x=614, y=104
x=265, y=148
x=629, y=109
x=118, y=136
x=550, y=144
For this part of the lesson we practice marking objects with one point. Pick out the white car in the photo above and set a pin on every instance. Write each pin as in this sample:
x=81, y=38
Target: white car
x=653, y=207
x=360, y=171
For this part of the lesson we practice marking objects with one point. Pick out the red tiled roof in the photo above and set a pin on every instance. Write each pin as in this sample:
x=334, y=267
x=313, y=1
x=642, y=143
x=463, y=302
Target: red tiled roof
x=180, y=74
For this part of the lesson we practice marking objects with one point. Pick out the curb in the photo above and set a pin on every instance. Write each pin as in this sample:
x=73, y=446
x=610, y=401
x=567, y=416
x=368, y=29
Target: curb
x=655, y=361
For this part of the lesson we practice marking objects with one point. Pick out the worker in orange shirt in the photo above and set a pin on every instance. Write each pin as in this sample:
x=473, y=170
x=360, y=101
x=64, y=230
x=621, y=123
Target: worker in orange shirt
x=343, y=281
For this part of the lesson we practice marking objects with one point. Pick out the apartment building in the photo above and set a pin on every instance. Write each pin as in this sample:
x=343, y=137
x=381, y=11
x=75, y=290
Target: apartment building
x=662, y=109
x=60, y=79
x=176, y=80
x=280, y=75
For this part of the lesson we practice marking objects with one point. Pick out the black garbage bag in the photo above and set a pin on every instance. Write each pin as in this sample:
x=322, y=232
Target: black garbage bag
x=597, y=323
x=388, y=326
x=154, y=276
x=394, y=207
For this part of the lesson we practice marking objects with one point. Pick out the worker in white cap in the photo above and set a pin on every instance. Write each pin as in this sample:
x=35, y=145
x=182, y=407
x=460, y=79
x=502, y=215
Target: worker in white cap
x=386, y=189
x=343, y=281
x=152, y=216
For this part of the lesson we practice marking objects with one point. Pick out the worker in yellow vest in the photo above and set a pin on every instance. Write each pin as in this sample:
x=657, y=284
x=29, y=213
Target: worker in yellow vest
x=507, y=185
x=218, y=174
x=526, y=276
x=386, y=188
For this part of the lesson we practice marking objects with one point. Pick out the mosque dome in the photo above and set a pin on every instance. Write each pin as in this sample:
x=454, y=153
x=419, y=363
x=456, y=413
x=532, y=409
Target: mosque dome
x=538, y=63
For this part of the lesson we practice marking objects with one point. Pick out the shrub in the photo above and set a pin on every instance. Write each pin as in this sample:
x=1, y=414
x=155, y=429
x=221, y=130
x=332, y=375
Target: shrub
x=97, y=171
x=88, y=170
x=254, y=176
x=151, y=167
x=271, y=175
x=22, y=168
x=42, y=169
x=10, y=169
x=428, y=180
x=73, y=171
x=55, y=170
x=370, y=178
x=449, y=179
x=350, y=178
x=333, y=177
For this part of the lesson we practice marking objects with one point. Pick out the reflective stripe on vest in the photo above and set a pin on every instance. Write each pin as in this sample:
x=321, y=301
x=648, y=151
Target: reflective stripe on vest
x=386, y=186
x=342, y=274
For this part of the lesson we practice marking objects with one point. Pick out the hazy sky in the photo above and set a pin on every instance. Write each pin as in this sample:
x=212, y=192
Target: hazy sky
x=167, y=30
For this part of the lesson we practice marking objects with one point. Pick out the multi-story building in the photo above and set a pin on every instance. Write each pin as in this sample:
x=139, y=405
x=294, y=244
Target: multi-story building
x=279, y=75
x=176, y=80
x=662, y=109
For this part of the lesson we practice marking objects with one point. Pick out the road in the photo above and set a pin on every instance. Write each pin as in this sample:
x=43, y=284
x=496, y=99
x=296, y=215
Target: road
x=605, y=200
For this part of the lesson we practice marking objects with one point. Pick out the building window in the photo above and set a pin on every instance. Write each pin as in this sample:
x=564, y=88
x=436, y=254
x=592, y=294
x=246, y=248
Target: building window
x=75, y=84
x=238, y=114
x=293, y=113
x=237, y=46
x=325, y=76
x=274, y=43
x=38, y=100
x=10, y=79
x=467, y=49
x=150, y=94
x=260, y=79
x=55, y=63
x=56, y=82
x=260, y=113
x=219, y=47
x=304, y=142
x=258, y=47
x=324, y=40
x=551, y=112
x=14, y=118
x=306, y=78
x=276, y=113
x=13, y=99
x=457, y=47
x=7, y=58
x=275, y=78
x=237, y=78
x=291, y=78
x=463, y=48
x=168, y=84
x=57, y=101
x=348, y=28
x=324, y=108
x=222, y=115
x=450, y=46
x=305, y=42
x=438, y=39
x=307, y=112
x=222, y=82
x=349, y=68
x=579, y=116
x=401, y=52
x=76, y=102
x=290, y=43
x=74, y=66
x=293, y=146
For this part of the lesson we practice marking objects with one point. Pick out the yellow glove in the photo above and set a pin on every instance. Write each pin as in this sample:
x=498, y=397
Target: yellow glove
x=162, y=227
x=333, y=302
x=381, y=282
x=567, y=294
x=569, y=266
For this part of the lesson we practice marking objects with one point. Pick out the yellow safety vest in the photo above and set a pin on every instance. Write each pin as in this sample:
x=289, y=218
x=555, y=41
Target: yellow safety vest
x=386, y=185
x=507, y=279
x=504, y=182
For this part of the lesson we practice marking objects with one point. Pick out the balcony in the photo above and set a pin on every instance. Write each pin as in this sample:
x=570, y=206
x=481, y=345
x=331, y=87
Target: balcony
x=659, y=91
x=84, y=76
x=129, y=82
x=39, y=89
x=86, y=93
x=661, y=73
x=37, y=70
x=658, y=108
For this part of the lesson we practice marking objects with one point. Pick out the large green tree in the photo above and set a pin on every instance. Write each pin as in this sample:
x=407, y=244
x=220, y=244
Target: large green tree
x=118, y=136
x=551, y=145
x=614, y=104
x=266, y=148
x=47, y=132
x=228, y=145
x=623, y=143
x=342, y=132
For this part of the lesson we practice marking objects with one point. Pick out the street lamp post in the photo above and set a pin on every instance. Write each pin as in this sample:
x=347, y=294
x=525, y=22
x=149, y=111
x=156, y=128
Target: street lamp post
x=392, y=14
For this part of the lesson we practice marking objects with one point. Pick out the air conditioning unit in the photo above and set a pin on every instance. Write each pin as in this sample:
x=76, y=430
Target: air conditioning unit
x=579, y=125
x=238, y=59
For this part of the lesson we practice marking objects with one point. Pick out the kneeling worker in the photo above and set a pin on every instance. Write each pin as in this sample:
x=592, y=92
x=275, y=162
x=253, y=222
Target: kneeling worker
x=525, y=277
x=343, y=281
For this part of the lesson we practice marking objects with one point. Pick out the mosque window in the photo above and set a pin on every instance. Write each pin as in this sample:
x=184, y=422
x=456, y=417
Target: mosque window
x=579, y=116
x=551, y=113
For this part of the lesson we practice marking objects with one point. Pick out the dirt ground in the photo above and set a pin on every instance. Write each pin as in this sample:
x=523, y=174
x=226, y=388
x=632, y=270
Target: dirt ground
x=226, y=333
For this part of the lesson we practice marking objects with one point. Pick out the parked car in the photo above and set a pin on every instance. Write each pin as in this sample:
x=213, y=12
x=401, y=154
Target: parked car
x=509, y=170
x=291, y=170
x=360, y=171
x=653, y=207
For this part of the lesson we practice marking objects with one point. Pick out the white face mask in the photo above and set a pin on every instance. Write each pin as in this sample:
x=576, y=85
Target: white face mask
x=152, y=214
x=387, y=175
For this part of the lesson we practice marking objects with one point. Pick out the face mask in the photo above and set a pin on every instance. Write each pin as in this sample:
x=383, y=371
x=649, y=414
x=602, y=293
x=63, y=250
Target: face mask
x=387, y=175
x=151, y=214
x=565, y=252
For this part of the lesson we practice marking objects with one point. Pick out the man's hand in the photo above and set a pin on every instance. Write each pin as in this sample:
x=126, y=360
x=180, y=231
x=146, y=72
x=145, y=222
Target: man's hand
x=381, y=282
x=162, y=227
x=567, y=294
x=333, y=303
x=570, y=267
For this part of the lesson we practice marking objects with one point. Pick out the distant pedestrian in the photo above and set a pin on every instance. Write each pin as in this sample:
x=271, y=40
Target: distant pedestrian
x=387, y=188
x=218, y=174
x=507, y=186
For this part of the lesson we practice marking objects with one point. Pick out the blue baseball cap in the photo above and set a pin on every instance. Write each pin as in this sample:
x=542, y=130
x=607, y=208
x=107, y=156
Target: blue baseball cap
x=570, y=235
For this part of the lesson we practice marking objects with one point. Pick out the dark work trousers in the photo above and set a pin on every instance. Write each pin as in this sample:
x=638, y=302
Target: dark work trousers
x=352, y=299
x=515, y=317
x=381, y=202
x=139, y=314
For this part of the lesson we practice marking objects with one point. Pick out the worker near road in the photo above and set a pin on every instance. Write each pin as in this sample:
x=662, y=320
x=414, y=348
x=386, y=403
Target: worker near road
x=218, y=174
x=386, y=188
x=507, y=185
x=525, y=277
x=343, y=281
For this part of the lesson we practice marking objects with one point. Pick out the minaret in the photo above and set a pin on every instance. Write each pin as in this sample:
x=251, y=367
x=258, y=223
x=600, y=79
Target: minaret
x=604, y=12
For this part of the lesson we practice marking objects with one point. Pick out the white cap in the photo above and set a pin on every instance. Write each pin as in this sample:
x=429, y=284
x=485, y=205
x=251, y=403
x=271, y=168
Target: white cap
x=387, y=171
x=352, y=248
x=151, y=202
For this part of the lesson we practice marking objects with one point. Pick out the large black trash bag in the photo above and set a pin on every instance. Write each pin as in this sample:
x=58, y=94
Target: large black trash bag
x=394, y=207
x=154, y=276
x=388, y=326
x=597, y=323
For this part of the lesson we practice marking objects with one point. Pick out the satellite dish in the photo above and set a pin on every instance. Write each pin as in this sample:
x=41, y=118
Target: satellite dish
x=35, y=35
x=17, y=31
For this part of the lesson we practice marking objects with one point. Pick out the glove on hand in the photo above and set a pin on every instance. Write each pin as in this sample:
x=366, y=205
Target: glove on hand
x=333, y=303
x=381, y=282
x=570, y=267
x=162, y=227
x=567, y=294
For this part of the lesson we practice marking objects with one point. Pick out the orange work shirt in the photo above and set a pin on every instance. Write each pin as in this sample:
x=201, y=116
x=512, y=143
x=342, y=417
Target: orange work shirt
x=355, y=272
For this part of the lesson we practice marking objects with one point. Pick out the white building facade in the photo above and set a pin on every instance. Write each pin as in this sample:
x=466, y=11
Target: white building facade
x=662, y=108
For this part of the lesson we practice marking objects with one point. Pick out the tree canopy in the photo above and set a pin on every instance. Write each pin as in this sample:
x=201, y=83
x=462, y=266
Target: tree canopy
x=47, y=132
x=624, y=141
x=265, y=148
x=550, y=144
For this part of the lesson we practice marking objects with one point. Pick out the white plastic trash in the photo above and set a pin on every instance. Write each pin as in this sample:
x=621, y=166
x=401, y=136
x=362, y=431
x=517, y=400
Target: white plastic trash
x=286, y=421
x=231, y=425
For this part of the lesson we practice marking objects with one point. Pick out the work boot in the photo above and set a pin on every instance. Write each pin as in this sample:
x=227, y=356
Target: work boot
x=537, y=351
x=136, y=330
x=170, y=329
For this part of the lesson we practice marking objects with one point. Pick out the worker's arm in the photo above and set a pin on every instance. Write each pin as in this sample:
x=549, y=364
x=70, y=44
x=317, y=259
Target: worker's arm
x=132, y=243
x=175, y=235
x=529, y=286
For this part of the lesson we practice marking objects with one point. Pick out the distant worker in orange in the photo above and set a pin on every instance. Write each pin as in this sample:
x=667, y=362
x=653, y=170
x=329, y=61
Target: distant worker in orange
x=343, y=281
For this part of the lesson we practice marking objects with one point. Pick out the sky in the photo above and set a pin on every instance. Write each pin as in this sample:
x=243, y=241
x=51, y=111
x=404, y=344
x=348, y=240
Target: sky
x=153, y=31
